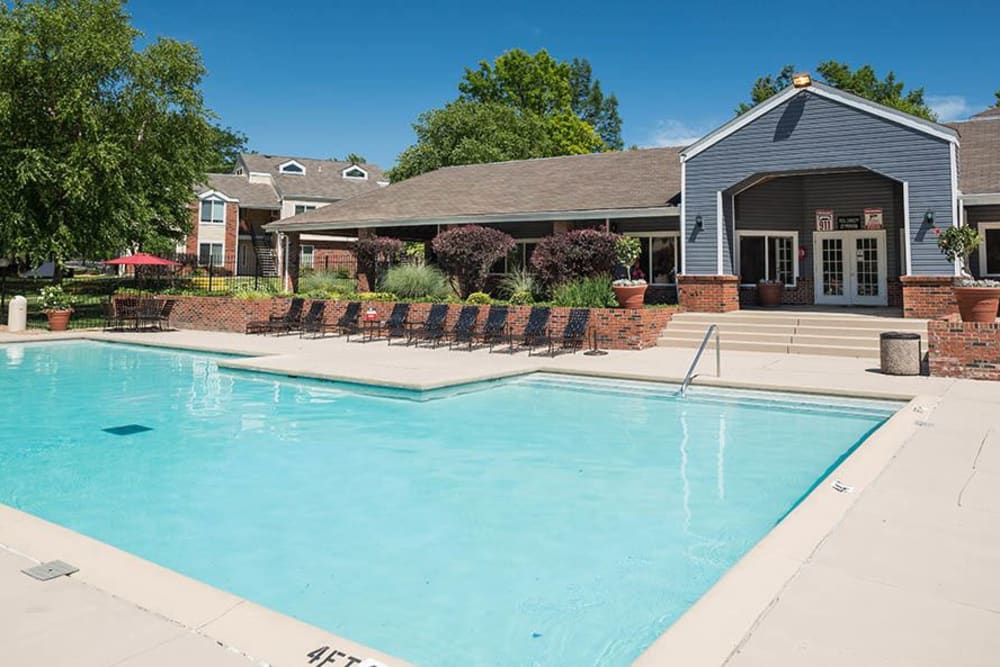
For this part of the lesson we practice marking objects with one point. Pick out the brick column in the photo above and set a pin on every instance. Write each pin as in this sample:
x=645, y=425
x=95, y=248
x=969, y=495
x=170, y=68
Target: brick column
x=232, y=236
x=708, y=294
x=928, y=297
x=292, y=262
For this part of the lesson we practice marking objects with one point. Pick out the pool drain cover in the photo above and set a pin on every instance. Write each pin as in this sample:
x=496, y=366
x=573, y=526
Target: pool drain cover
x=50, y=570
x=127, y=429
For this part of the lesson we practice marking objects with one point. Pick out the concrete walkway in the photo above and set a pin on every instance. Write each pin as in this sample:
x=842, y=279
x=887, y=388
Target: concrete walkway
x=900, y=572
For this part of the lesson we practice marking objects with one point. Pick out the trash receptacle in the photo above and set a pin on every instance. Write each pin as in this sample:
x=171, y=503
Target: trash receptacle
x=901, y=353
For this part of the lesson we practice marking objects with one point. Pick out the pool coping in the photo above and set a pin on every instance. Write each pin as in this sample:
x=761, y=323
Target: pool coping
x=708, y=633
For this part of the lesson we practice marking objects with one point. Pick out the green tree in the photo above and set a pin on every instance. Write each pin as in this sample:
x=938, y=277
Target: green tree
x=227, y=144
x=997, y=95
x=101, y=141
x=354, y=158
x=529, y=105
x=862, y=82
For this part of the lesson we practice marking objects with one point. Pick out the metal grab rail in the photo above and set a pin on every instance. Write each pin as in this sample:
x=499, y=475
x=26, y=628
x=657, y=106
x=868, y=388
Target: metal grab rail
x=697, y=357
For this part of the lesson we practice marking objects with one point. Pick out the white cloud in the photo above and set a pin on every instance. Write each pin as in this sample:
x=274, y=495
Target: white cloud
x=675, y=133
x=949, y=107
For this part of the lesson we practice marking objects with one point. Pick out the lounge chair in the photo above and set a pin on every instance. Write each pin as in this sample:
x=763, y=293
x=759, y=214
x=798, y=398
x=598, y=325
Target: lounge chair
x=536, y=331
x=349, y=323
x=573, y=334
x=397, y=326
x=291, y=316
x=313, y=321
x=433, y=326
x=464, y=331
x=495, y=328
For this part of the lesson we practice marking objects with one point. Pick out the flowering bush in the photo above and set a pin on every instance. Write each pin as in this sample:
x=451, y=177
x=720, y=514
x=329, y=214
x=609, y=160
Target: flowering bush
x=375, y=255
x=55, y=298
x=468, y=252
x=563, y=258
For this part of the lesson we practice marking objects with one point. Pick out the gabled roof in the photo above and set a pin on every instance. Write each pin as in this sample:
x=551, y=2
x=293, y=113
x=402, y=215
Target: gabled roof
x=617, y=184
x=250, y=195
x=822, y=90
x=979, y=153
x=322, y=180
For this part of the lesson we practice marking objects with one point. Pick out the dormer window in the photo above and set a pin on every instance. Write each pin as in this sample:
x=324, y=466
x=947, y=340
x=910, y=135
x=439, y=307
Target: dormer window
x=354, y=171
x=291, y=167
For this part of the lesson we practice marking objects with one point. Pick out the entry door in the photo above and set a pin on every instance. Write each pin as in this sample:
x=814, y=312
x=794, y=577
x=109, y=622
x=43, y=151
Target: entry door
x=849, y=268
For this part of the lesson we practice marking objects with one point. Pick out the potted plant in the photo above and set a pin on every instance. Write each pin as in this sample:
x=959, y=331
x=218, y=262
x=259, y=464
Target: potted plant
x=978, y=300
x=770, y=292
x=629, y=293
x=57, y=305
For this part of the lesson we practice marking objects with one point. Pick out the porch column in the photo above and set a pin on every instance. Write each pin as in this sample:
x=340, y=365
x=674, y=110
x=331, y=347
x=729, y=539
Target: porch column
x=292, y=251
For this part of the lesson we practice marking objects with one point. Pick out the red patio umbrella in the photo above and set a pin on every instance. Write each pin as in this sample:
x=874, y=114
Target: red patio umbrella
x=142, y=259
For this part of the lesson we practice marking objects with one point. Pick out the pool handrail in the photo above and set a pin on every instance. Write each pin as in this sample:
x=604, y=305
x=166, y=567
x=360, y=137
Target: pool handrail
x=697, y=357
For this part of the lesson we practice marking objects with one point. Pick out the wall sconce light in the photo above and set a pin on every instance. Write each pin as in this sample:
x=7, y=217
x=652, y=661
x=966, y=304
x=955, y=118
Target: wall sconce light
x=699, y=222
x=929, y=218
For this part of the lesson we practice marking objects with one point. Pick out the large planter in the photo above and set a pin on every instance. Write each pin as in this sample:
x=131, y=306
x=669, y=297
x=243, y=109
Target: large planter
x=978, y=304
x=58, y=319
x=630, y=296
x=769, y=294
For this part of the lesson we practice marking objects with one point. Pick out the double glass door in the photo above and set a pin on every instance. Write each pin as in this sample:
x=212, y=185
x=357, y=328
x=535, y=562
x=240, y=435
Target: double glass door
x=849, y=268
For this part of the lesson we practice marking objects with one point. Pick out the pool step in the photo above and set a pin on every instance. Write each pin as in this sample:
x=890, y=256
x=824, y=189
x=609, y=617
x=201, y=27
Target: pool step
x=783, y=332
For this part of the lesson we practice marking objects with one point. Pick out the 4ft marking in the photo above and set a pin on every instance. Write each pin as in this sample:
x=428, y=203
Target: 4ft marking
x=324, y=655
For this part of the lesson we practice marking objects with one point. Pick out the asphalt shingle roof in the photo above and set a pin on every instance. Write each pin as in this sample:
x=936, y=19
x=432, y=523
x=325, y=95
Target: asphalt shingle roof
x=251, y=195
x=634, y=179
x=322, y=180
x=979, y=153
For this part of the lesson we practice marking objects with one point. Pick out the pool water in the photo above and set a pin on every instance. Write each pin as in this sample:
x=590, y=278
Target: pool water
x=542, y=520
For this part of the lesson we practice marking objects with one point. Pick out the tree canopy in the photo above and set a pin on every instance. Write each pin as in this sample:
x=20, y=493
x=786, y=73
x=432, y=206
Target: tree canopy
x=227, y=144
x=520, y=106
x=101, y=141
x=861, y=81
x=997, y=96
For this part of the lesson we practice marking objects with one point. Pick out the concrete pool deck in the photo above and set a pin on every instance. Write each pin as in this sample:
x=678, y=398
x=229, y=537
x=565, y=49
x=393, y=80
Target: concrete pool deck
x=900, y=571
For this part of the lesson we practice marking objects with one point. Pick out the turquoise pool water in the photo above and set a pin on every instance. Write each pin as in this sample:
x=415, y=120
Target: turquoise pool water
x=537, y=521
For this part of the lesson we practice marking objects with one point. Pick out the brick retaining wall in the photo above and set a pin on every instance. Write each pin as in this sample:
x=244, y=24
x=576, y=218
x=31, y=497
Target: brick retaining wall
x=617, y=328
x=963, y=349
x=708, y=294
x=928, y=297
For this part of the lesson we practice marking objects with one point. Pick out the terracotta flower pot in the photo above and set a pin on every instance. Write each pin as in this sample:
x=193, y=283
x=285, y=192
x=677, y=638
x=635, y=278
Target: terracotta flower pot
x=769, y=294
x=977, y=304
x=58, y=319
x=630, y=296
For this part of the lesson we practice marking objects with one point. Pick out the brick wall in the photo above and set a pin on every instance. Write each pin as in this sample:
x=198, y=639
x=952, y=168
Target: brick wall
x=928, y=297
x=232, y=231
x=804, y=294
x=617, y=328
x=708, y=294
x=963, y=349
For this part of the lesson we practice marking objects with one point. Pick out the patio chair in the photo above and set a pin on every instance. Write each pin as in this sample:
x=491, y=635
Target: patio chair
x=349, y=323
x=573, y=333
x=495, y=329
x=166, y=308
x=397, y=325
x=464, y=331
x=433, y=327
x=148, y=314
x=313, y=321
x=535, y=332
x=111, y=320
x=293, y=314
x=127, y=312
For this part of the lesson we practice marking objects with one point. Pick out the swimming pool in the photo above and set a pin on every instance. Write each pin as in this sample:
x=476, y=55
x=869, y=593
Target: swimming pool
x=542, y=520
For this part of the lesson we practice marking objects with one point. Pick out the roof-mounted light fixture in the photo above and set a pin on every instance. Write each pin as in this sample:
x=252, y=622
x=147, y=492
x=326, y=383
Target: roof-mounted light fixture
x=801, y=80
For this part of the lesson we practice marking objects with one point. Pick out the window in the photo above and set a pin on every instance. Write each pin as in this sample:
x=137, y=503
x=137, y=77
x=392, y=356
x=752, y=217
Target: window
x=213, y=211
x=210, y=254
x=989, y=250
x=659, y=258
x=307, y=254
x=291, y=167
x=355, y=172
x=768, y=256
x=302, y=208
x=518, y=258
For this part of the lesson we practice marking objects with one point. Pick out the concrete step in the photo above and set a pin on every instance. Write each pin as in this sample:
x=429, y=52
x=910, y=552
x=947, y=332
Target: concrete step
x=866, y=352
x=784, y=338
x=729, y=329
x=875, y=324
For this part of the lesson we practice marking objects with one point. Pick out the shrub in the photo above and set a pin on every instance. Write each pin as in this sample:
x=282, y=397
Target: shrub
x=564, y=258
x=957, y=243
x=479, y=299
x=521, y=298
x=415, y=281
x=589, y=292
x=375, y=255
x=376, y=296
x=325, y=281
x=54, y=297
x=520, y=286
x=468, y=252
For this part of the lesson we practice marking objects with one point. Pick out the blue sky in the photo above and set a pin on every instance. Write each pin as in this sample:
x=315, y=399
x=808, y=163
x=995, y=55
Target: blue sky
x=324, y=78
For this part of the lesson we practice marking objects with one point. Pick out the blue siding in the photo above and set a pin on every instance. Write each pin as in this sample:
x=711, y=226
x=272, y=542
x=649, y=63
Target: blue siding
x=812, y=132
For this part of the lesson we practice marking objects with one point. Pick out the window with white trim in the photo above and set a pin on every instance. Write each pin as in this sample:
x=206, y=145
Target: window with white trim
x=768, y=256
x=307, y=256
x=989, y=249
x=519, y=258
x=292, y=168
x=302, y=208
x=659, y=258
x=210, y=254
x=355, y=172
x=213, y=211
